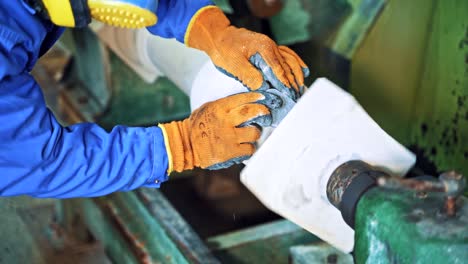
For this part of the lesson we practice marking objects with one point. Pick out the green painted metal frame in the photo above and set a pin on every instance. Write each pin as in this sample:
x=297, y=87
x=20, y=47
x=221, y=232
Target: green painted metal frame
x=137, y=103
x=354, y=29
x=105, y=90
x=142, y=227
x=411, y=75
x=18, y=244
x=94, y=76
x=186, y=240
x=402, y=227
x=440, y=110
x=318, y=253
x=267, y=243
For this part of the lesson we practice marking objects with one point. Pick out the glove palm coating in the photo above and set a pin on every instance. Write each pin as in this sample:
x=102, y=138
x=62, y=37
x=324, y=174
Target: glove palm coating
x=252, y=58
x=219, y=133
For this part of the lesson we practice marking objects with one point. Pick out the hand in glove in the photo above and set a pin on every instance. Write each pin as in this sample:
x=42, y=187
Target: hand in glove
x=252, y=58
x=219, y=133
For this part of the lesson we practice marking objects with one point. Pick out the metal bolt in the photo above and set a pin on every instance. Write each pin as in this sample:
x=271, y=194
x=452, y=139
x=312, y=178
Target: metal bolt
x=451, y=183
x=454, y=183
x=454, y=186
x=450, y=206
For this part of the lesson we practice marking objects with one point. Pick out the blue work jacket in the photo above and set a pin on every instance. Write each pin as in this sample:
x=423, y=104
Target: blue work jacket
x=41, y=158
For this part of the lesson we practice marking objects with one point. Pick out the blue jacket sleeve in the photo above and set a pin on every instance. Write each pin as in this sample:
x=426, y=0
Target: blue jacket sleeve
x=174, y=17
x=38, y=156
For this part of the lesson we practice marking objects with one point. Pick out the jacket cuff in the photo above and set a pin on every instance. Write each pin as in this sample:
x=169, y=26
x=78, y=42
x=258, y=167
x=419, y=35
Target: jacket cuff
x=159, y=159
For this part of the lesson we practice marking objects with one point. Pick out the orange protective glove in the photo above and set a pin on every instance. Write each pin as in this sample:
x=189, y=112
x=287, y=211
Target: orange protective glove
x=219, y=133
x=252, y=58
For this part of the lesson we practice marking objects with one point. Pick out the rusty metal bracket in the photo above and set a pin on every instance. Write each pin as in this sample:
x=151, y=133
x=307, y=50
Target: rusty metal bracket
x=451, y=183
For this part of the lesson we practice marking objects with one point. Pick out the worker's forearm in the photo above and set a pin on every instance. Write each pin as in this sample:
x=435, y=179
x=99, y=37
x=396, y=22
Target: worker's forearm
x=174, y=17
x=39, y=157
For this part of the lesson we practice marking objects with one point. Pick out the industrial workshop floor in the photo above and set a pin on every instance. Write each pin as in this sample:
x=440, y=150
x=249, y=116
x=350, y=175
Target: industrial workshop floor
x=27, y=231
x=30, y=235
